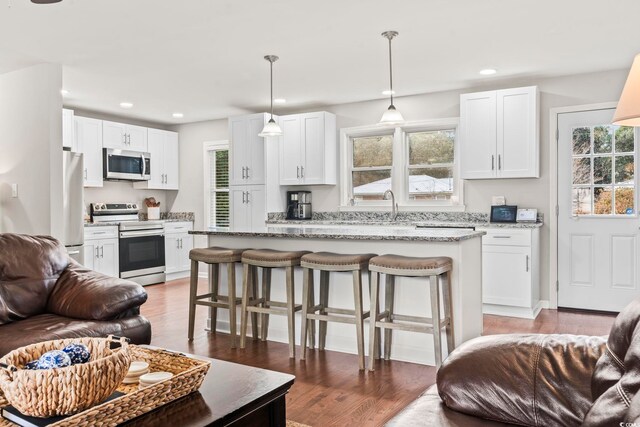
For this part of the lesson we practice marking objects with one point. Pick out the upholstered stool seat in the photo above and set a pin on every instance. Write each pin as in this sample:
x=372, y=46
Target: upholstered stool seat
x=438, y=270
x=327, y=262
x=214, y=257
x=268, y=259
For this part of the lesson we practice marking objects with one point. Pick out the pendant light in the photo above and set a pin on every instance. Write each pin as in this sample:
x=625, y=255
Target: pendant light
x=391, y=116
x=628, y=110
x=271, y=128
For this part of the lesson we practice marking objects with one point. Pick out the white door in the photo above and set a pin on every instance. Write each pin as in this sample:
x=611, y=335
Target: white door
x=114, y=135
x=257, y=210
x=506, y=275
x=478, y=135
x=156, y=149
x=239, y=151
x=171, y=252
x=313, y=148
x=171, y=161
x=136, y=138
x=109, y=257
x=517, y=154
x=255, y=145
x=239, y=215
x=186, y=244
x=89, y=142
x=598, y=221
x=290, y=150
x=90, y=254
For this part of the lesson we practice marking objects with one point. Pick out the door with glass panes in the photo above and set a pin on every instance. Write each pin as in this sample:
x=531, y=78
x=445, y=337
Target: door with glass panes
x=598, y=245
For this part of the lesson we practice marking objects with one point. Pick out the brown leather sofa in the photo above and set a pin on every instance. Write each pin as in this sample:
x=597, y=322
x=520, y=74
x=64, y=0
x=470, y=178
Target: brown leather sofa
x=537, y=380
x=45, y=295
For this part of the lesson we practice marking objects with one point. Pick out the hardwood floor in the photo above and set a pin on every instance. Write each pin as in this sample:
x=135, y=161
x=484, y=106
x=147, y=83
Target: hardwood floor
x=329, y=390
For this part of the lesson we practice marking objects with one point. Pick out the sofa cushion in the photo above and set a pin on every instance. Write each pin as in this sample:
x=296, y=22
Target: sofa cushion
x=29, y=269
x=530, y=380
x=616, y=379
x=428, y=410
x=45, y=327
x=85, y=294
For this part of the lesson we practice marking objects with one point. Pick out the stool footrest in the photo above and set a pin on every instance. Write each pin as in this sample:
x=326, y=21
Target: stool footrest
x=213, y=304
x=219, y=298
x=278, y=310
x=425, y=324
x=330, y=318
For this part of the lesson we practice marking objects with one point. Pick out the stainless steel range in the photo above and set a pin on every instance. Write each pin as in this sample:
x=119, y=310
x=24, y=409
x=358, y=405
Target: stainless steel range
x=141, y=252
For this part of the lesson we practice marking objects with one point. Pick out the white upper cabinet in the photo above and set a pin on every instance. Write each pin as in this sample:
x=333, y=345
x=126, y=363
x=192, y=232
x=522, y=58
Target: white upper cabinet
x=124, y=137
x=499, y=134
x=247, y=161
x=68, y=130
x=165, y=170
x=308, y=149
x=88, y=136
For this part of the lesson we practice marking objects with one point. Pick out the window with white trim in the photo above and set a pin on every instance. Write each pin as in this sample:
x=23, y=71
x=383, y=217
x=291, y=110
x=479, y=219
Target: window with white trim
x=417, y=161
x=217, y=184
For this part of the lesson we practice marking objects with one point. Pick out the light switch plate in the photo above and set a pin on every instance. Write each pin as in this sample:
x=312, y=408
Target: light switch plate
x=527, y=215
x=14, y=190
x=498, y=201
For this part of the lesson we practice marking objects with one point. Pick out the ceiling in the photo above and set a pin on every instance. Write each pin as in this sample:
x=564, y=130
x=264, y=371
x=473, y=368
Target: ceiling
x=203, y=58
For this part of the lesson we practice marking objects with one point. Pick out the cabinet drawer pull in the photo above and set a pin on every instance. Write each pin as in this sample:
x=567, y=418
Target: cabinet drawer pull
x=501, y=237
x=248, y=201
x=499, y=161
x=298, y=172
x=247, y=172
x=527, y=263
x=493, y=162
x=301, y=171
x=97, y=251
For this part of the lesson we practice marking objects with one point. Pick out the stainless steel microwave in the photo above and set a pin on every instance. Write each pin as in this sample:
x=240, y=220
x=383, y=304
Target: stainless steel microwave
x=126, y=165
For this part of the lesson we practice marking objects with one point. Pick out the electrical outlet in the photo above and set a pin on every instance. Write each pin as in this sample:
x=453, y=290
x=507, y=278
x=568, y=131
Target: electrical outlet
x=14, y=190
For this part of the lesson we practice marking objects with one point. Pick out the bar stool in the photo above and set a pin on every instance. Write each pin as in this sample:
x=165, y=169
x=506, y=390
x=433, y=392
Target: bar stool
x=438, y=270
x=327, y=262
x=214, y=256
x=269, y=259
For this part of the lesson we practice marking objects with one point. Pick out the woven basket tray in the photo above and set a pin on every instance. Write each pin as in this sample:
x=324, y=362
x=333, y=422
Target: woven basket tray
x=188, y=375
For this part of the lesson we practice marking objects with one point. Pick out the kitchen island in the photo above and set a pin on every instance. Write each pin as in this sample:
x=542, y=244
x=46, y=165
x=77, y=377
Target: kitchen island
x=412, y=295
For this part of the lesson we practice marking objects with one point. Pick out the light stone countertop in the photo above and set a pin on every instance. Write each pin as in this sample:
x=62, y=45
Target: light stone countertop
x=354, y=233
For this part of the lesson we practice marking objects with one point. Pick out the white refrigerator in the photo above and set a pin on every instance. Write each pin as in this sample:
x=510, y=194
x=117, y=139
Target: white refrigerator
x=73, y=204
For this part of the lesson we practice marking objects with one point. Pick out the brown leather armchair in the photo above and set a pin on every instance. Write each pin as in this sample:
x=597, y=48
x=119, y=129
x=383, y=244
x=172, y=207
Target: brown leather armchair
x=537, y=380
x=45, y=295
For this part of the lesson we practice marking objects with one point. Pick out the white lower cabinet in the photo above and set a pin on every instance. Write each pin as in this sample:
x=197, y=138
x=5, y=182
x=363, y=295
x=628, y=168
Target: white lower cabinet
x=511, y=272
x=101, y=250
x=248, y=209
x=177, y=244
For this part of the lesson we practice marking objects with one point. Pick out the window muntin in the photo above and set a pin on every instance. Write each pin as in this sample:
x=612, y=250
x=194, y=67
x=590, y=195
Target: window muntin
x=603, y=170
x=431, y=164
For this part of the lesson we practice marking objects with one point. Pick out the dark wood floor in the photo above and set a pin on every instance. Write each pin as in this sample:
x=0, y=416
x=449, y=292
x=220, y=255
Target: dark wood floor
x=329, y=390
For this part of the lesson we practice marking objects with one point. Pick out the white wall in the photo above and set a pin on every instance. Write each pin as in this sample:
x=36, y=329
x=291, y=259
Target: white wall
x=533, y=193
x=31, y=150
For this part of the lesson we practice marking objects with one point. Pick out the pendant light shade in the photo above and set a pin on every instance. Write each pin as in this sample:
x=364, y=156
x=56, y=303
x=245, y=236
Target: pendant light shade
x=392, y=116
x=271, y=128
x=628, y=111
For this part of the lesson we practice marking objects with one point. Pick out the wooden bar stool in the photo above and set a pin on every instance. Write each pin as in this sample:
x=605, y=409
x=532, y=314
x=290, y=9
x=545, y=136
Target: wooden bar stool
x=269, y=259
x=214, y=256
x=438, y=270
x=327, y=262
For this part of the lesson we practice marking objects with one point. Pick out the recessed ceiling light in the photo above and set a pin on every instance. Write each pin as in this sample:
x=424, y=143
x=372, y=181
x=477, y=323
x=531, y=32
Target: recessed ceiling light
x=388, y=92
x=177, y=115
x=64, y=92
x=45, y=1
x=488, y=71
x=126, y=105
x=279, y=101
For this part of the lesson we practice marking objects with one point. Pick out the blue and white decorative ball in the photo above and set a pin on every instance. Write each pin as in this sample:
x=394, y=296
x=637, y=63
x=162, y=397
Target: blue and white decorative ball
x=79, y=353
x=54, y=359
x=33, y=365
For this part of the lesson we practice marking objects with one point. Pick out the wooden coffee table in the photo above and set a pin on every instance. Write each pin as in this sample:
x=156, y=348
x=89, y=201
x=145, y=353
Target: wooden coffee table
x=231, y=395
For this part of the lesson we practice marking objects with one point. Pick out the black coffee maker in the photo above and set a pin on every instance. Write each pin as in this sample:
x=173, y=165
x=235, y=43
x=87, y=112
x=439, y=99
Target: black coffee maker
x=298, y=204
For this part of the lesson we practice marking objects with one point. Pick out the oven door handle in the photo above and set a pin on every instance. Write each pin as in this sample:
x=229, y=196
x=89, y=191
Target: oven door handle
x=131, y=234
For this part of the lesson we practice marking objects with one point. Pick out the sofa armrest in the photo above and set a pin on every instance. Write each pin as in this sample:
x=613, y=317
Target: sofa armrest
x=81, y=293
x=522, y=379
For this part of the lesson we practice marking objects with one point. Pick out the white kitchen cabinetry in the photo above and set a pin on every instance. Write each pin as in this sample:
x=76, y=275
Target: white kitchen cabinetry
x=308, y=149
x=68, y=130
x=177, y=244
x=165, y=169
x=511, y=272
x=101, y=250
x=124, y=137
x=88, y=136
x=248, y=207
x=247, y=149
x=499, y=134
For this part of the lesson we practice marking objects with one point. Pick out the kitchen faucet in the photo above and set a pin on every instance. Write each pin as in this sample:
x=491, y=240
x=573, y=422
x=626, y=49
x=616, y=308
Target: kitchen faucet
x=394, y=206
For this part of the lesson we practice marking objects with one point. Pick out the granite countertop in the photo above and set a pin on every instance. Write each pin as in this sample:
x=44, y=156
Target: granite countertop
x=434, y=224
x=116, y=223
x=354, y=233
